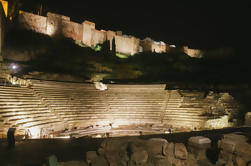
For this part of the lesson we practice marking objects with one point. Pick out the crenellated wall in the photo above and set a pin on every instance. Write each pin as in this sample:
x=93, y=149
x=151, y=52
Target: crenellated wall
x=56, y=24
x=127, y=44
x=150, y=45
x=33, y=22
x=98, y=37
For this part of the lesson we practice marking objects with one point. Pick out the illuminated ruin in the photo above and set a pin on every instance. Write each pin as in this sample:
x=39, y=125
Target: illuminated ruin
x=55, y=24
x=44, y=109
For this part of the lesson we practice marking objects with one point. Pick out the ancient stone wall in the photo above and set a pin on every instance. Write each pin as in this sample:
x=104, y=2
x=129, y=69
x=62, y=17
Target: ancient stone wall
x=33, y=22
x=196, y=53
x=55, y=23
x=159, y=47
x=150, y=45
x=87, y=32
x=146, y=44
x=98, y=37
x=110, y=35
x=127, y=44
x=72, y=30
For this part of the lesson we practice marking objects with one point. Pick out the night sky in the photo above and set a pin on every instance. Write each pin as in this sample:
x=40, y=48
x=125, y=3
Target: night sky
x=202, y=24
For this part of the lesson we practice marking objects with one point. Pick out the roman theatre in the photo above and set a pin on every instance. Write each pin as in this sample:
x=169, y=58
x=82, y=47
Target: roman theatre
x=52, y=109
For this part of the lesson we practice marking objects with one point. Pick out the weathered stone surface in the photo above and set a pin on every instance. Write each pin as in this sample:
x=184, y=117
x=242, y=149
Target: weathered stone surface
x=196, y=53
x=243, y=149
x=33, y=22
x=127, y=45
x=98, y=37
x=240, y=162
x=180, y=151
x=198, y=146
x=199, y=140
x=157, y=146
x=235, y=150
x=87, y=32
x=91, y=156
x=139, y=157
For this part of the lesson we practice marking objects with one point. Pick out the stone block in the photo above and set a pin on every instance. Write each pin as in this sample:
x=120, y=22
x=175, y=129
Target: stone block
x=235, y=137
x=139, y=157
x=227, y=145
x=244, y=150
x=157, y=146
x=199, y=142
x=240, y=162
x=180, y=151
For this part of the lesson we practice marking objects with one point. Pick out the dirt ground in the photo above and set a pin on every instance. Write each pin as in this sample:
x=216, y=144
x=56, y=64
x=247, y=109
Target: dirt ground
x=35, y=152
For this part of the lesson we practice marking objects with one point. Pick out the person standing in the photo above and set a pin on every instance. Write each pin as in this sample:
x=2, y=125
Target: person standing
x=11, y=137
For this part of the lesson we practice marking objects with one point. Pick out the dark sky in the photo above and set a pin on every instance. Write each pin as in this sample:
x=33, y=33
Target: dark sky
x=199, y=24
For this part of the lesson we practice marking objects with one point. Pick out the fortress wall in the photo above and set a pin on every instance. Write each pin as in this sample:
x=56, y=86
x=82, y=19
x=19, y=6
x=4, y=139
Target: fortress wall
x=55, y=23
x=146, y=44
x=110, y=35
x=127, y=45
x=87, y=32
x=98, y=37
x=158, y=47
x=33, y=22
x=196, y=53
x=72, y=30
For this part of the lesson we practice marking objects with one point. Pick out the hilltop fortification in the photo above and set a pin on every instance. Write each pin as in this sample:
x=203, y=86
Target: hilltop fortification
x=86, y=32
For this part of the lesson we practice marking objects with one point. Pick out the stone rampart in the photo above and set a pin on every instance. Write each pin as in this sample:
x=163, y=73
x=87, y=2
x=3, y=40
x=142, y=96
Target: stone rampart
x=98, y=37
x=110, y=35
x=159, y=47
x=127, y=44
x=196, y=53
x=33, y=22
x=55, y=24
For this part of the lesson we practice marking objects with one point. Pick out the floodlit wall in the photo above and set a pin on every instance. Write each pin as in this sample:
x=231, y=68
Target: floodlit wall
x=87, y=32
x=98, y=37
x=110, y=35
x=146, y=44
x=72, y=30
x=33, y=22
x=55, y=24
x=196, y=53
x=127, y=45
x=150, y=45
x=159, y=47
